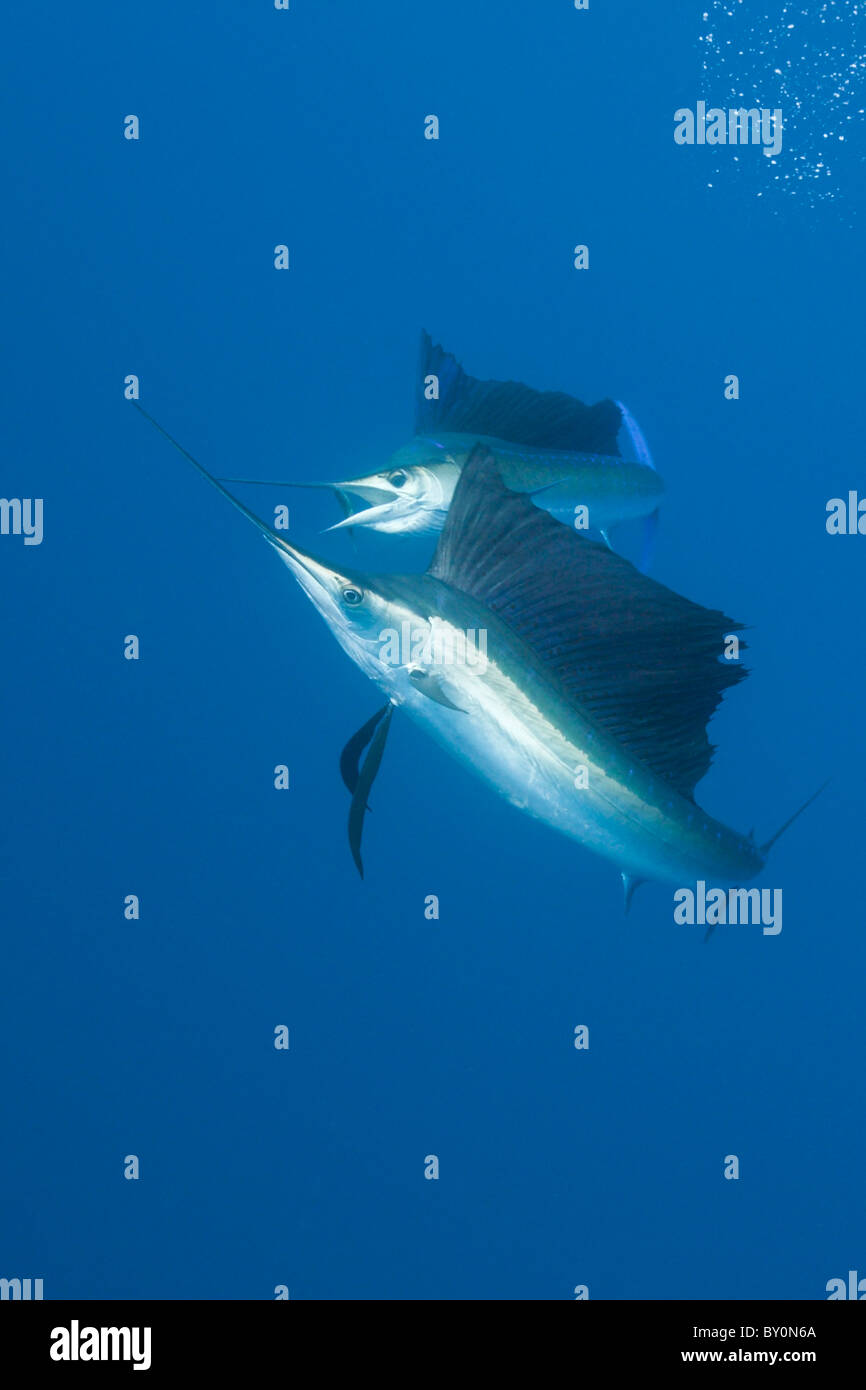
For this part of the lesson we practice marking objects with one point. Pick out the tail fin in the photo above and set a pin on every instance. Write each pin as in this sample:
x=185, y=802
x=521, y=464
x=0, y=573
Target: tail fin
x=767, y=846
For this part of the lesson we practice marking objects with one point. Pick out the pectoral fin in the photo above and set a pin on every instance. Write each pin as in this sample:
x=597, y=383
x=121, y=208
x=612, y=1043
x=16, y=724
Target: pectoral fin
x=431, y=685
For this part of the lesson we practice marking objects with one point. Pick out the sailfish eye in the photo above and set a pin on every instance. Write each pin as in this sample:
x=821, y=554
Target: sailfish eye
x=353, y=596
x=397, y=478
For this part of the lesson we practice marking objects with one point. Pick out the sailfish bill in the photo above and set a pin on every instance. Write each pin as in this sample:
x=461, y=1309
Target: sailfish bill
x=589, y=665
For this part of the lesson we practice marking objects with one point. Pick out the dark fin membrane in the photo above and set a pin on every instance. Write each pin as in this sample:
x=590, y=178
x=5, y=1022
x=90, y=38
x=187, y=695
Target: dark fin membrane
x=351, y=754
x=626, y=651
x=510, y=410
x=366, y=778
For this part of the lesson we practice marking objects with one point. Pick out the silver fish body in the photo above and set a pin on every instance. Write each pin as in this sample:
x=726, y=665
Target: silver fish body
x=518, y=731
x=575, y=687
x=413, y=493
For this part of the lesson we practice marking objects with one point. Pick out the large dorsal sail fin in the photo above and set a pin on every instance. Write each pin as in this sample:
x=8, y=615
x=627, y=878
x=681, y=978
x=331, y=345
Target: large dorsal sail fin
x=509, y=410
x=631, y=654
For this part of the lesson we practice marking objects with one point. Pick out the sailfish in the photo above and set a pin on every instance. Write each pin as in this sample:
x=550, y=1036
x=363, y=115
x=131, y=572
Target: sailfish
x=589, y=710
x=563, y=453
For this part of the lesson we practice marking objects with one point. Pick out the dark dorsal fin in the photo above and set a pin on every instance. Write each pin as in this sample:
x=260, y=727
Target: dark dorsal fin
x=632, y=655
x=509, y=410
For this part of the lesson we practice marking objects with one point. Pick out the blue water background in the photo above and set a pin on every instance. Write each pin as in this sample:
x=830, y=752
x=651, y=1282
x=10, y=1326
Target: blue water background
x=408, y=1038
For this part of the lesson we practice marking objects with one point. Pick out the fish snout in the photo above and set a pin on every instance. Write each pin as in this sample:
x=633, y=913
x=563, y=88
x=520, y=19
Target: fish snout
x=389, y=508
x=375, y=493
